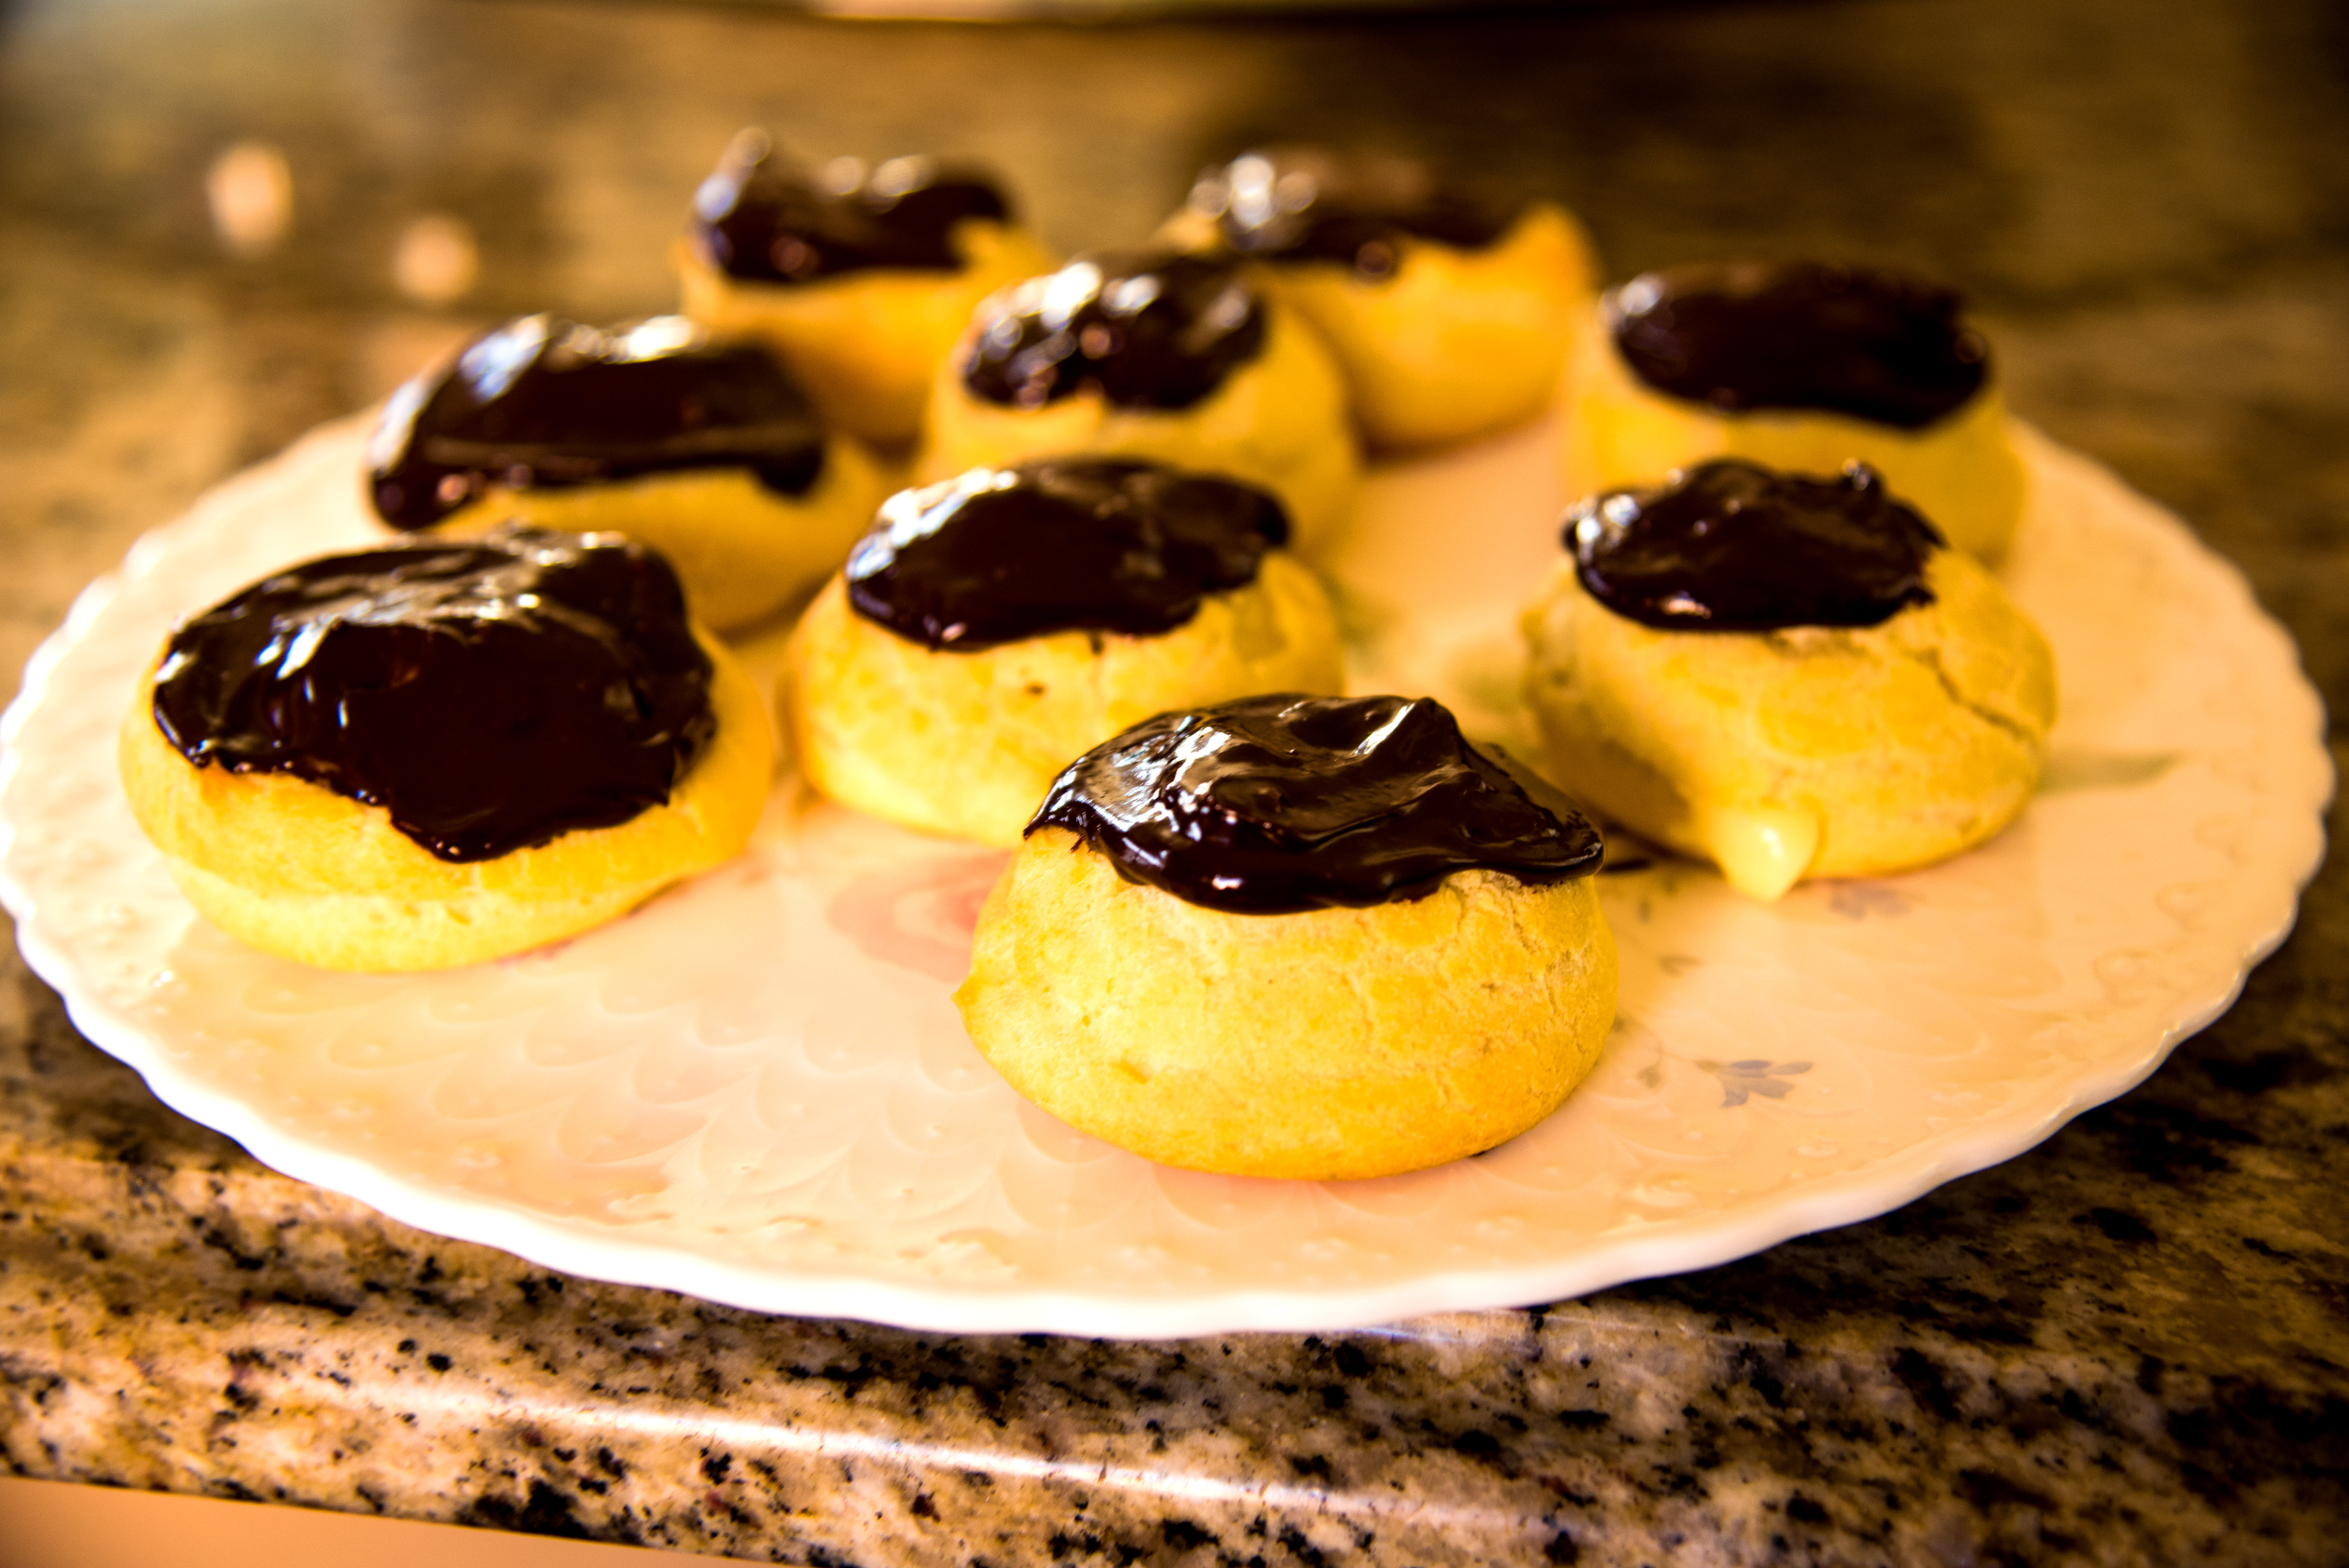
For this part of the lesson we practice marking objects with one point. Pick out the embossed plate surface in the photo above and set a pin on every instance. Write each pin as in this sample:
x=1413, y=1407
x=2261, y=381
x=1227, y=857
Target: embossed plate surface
x=757, y=1090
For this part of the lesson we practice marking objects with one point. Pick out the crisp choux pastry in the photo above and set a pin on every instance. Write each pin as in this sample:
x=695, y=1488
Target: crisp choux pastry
x=443, y=752
x=992, y=627
x=710, y=453
x=1451, y=311
x=1176, y=360
x=1790, y=677
x=860, y=278
x=1801, y=366
x=1318, y=938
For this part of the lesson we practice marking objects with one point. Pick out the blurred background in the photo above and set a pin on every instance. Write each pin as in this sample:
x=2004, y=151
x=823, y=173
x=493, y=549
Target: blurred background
x=222, y=222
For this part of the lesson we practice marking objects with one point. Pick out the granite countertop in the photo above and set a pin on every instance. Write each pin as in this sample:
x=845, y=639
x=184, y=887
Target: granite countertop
x=2130, y=1345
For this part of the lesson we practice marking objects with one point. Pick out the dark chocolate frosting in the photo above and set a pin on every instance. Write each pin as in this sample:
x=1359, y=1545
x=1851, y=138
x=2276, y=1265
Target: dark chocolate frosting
x=1059, y=544
x=1801, y=334
x=1145, y=331
x=491, y=695
x=1731, y=546
x=769, y=222
x=1275, y=804
x=544, y=402
x=1309, y=204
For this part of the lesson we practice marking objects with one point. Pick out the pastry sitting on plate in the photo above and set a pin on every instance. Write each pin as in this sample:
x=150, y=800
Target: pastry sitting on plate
x=1177, y=359
x=1318, y=938
x=1450, y=308
x=710, y=453
x=1805, y=367
x=860, y=278
x=442, y=752
x=993, y=627
x=1788, y=677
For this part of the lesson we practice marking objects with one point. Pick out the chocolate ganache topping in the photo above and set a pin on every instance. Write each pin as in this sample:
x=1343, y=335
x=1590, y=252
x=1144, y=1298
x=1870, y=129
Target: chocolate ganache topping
x=1144, y=331
x=1059, y=544
x=491, y=695
x=1308, y=204
x=767, y=222
x=1275, y=804
x=1731, y=546
x=543, y=402
x=1801, y=334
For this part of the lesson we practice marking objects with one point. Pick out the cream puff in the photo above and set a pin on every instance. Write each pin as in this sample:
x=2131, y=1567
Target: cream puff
x=442, y=752
x=710, y=453
x=860, y=278
x=1178, y=359
x=1450, y=308
x=1318, y=938
x=1788, y=677
x=1805, y=367
x=993, y=627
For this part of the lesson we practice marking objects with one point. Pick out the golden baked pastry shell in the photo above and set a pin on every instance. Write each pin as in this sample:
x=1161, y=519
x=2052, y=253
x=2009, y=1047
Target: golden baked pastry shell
x=1278, y=422
x=966, y=743
x=741, y=549
x=1961, y=471
x=865, y=343
x=1326, y=1045
x=295, y=868
x=1807, y=752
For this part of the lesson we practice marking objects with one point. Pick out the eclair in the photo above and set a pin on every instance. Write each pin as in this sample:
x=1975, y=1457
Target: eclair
x=1316, y=938
x=1789, y=676
x=991, y=627
x=710, y=453
x=444, y=752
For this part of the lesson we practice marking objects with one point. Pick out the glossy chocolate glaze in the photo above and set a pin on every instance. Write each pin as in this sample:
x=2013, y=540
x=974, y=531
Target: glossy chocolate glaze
x=491, y=695
x=543, y=402
x=1731, y=546
x=1801, y=334
x=1145, y=331
x=767, y=221
x=1059, y=544
x=1309, y=204
x=1275, y=804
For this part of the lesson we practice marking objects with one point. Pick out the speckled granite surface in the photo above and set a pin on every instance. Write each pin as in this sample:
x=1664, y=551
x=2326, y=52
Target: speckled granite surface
x=2130, y=1346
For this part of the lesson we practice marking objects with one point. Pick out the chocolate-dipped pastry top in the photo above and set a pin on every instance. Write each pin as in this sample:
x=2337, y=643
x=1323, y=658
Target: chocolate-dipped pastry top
x=1731, y=546
x=543, y=402
x=1271, y=805
x=768, y=221
x=491, y=695
x=1057, y=544
x=1145, y=331
x=1801, y=336
x=1310, y=204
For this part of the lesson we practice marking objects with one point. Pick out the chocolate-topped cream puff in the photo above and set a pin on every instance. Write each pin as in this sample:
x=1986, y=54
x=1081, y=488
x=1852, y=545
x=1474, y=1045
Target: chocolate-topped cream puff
x=1292, y=936
x=1450, y=306
x=860, y=278
x=993, y=627
x=1805, y=367
x=1177, y=359
x=441, y=752
x=1789, y=676
x=710, y=453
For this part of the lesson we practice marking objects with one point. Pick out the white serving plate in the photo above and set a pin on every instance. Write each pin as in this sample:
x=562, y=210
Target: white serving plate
x=757, y=1091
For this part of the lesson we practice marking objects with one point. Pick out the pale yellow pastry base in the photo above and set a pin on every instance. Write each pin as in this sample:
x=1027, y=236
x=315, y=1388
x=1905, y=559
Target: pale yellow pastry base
x=864, y=344
x=297, y=869
x=742, y=551
x=1812, y=752
x=1279, y=422
x=966, y=743
x=1325, y=1045
x=1455, y=343
x=1964, y=473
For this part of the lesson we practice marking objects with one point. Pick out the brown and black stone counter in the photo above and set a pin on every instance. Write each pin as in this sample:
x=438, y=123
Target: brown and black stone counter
x=2129, y=1345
